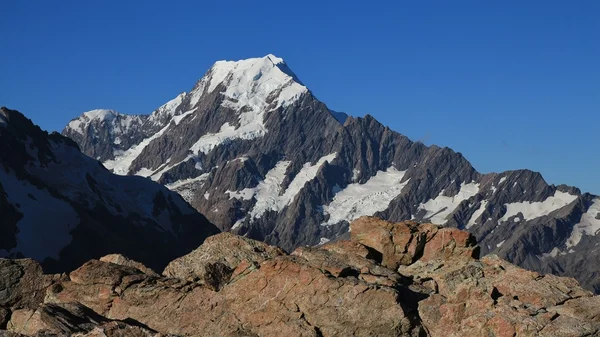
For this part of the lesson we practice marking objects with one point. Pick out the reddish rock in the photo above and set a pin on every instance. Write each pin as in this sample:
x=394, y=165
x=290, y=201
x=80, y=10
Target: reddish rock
x=448, y=243
x=234, y=286
x=398, y=243
x=215, y=260
x=124, y=261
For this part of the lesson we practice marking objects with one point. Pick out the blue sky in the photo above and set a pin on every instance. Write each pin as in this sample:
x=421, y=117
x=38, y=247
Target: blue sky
x=509, y=84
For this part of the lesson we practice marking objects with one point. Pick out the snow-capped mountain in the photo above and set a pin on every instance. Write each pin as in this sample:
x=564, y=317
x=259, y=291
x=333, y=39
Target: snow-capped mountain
x=63, y=208
x=253, y=149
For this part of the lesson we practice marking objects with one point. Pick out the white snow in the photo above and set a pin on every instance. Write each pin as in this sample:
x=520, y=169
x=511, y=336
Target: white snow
x=369, y=198
x=144, y=172
x=45, y=228
x=245, y=194
x=167, y=110
x=532, y=210
x=323, y=241
x=501, y=181
x=179, y=183
x=307, y=173
x=517, y=219
x=440, y=207
x=355, y=174
x=588, y=225
x=3, y=120
x=268, y=192
x=553, y=253
x=238, y=224
x=500, y=243
x=249, y=87
x=119, y=124
x=122, y=162
x=477, y=214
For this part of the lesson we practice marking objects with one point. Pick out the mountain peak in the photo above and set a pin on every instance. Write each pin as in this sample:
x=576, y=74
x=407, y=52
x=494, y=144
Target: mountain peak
x=265, y=74
x=254, y=85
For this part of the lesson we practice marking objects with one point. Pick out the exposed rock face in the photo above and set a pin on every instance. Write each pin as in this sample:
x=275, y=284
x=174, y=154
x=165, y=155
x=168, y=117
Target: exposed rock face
x=338, y=289
x=62, y=208
x=253, y=149
x=214, y=262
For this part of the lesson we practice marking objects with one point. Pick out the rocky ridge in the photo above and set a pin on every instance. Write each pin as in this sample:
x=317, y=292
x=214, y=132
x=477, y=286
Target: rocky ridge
x=388, y=279
x=62, y=208
x=254, y=150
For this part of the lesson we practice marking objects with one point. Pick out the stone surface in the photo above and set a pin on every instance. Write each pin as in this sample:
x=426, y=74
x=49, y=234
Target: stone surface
x=338, y=289
x=124, y=261
x=214, y=262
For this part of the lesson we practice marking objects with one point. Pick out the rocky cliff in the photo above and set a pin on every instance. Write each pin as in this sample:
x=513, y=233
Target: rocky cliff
x=388, y=279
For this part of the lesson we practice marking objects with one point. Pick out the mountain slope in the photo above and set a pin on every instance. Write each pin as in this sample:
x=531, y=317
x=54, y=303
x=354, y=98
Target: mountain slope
x=62, y=208
x=253, y=149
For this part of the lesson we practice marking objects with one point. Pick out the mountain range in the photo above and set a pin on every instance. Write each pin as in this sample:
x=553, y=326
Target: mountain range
x=63, y=208
x=252, y=148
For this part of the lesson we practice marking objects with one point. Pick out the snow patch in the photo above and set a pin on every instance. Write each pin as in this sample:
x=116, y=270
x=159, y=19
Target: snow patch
x=500, y=244
x=369, y=198
x=167, y=110
x=3, y=120
x=323, y=241
x=253, y=86
x=553, y=253
x=473, y=220
x=268, y=192
x=355, y=174
x=501, y=180
x=532, y=210
x=121, y=163
x=187, y=187
x=440, y=207
x=588, y=225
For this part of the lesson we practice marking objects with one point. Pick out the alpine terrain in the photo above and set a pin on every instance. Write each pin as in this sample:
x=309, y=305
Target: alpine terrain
x=390, y=279
x=63, y=208
x=254, y=150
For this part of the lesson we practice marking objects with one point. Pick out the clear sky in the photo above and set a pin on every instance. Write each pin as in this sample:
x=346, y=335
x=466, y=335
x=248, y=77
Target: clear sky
x=509, y=84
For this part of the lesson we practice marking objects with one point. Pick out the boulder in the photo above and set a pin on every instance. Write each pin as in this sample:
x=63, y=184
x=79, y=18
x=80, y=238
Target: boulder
x=214, y=261
x=124, y=261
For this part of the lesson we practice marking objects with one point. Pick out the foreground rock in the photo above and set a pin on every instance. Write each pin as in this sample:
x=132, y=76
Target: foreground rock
x=390, y=279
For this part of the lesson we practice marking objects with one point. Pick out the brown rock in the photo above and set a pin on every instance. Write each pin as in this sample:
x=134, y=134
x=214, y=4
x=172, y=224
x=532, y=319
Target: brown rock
x=95, y=285
x=353, y=247
x=120, y=329
x=64, y=319
x=448, y=243
x=245, y=288
x=398, y=243
x=493, y=297
x=215, y=260
x=22, y=283
x=124, y=261
x=283, y=296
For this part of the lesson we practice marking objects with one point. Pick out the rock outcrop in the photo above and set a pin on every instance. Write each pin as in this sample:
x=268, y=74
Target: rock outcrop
x=389, y=279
